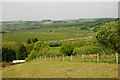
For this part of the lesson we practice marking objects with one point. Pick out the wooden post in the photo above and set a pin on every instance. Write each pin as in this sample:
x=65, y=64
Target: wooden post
x=50, y=57
x=117, y=58
x=45, y=57
x=56, y=57
x=89, y=58
x=107, y=58
x=40, y=57
x=63, y=57
x=77, y=57
x=97, y=57
x=67, y=58
x=71, y=57
x=60, y=58
x=82, y=57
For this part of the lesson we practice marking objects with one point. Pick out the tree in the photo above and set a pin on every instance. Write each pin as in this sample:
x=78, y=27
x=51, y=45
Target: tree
x=39, y=49
x=29, y=47
x=21, y=52
x=108, y=36
x=28, y=41
x=67, y=48
x=8, y=54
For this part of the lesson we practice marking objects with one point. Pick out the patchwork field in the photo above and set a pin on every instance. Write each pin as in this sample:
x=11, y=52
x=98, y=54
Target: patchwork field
x=60, y=69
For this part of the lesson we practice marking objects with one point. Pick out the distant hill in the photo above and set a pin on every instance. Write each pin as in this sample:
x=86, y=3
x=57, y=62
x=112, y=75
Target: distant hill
x=85, y=24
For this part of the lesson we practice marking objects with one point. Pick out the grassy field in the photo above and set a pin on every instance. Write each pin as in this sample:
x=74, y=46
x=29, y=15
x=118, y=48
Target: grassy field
x=44, y=34
x=60, y=69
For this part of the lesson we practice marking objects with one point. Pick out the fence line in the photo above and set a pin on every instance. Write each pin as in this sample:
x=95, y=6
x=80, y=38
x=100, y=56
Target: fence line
x=84, y=58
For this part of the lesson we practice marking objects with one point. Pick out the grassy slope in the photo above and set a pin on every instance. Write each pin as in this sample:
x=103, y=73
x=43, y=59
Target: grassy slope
x=60, y=69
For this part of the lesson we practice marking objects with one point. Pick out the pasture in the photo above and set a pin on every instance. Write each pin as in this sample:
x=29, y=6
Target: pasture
x=60, y=69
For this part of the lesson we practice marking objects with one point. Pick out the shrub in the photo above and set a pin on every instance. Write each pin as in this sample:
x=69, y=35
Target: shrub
x=80, y=43
x=21, y=52
x=54, y=44
x=10, y=45
x=88, y=50
x=108, y=36
x=67, y=48
x=34, y=40
x=28, y=41
x=8, y=54
x=29, y=47
x=39, y=49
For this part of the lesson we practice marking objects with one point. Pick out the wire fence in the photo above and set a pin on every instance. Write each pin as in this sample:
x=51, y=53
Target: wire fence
x=84, y=58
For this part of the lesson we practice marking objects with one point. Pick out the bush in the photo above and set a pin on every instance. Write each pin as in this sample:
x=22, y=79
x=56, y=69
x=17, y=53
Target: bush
x=108, y=36
x=29, y=47
x=39, y=49
x=10, y=45
x=21, y=52
x=28, y=41
x=34, y=40
x=88, y=50
x=80, y=43
x=54, y=44
x=8, y=54
x=67, y=49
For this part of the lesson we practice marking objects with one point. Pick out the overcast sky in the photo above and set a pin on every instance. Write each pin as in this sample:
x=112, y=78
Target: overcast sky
x=57, y=10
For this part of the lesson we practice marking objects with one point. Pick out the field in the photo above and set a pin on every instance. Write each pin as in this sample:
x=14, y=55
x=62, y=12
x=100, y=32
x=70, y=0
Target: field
x=20, y=31
x=60, y=69
x=44, y=34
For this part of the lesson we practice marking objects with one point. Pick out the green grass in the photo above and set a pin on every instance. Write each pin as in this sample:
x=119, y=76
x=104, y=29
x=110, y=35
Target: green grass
x=44, y=34
x=60, y=69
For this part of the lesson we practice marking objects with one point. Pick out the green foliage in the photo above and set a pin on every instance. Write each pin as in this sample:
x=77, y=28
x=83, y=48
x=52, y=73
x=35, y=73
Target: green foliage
x=10, y=45
x=39, y=49
x=9, y=50
x=55, y=44
x=28, y=41
x=21, y=52
x=108, y=36
x=67, y=49
x=80, y=43
x=29, y=47
x=34, y=40
x=87, y=50
x=46, y=20
x=8, y=54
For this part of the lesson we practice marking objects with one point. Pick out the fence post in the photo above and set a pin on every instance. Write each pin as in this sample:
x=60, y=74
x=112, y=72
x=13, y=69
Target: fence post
x=50, y=57
x=77, y=57
x=82, y=57
x=63, y=57
x=60, y=58
x=40, y=57
x=107, y=58
x=71, y=57
x=45, y=57
x=117, y=58
x=56, y=57
x=97, y=57
x=67, y=58
x=89, y=58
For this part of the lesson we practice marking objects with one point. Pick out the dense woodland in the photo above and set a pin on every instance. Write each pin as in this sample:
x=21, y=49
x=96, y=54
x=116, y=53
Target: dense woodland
x=53, y=38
